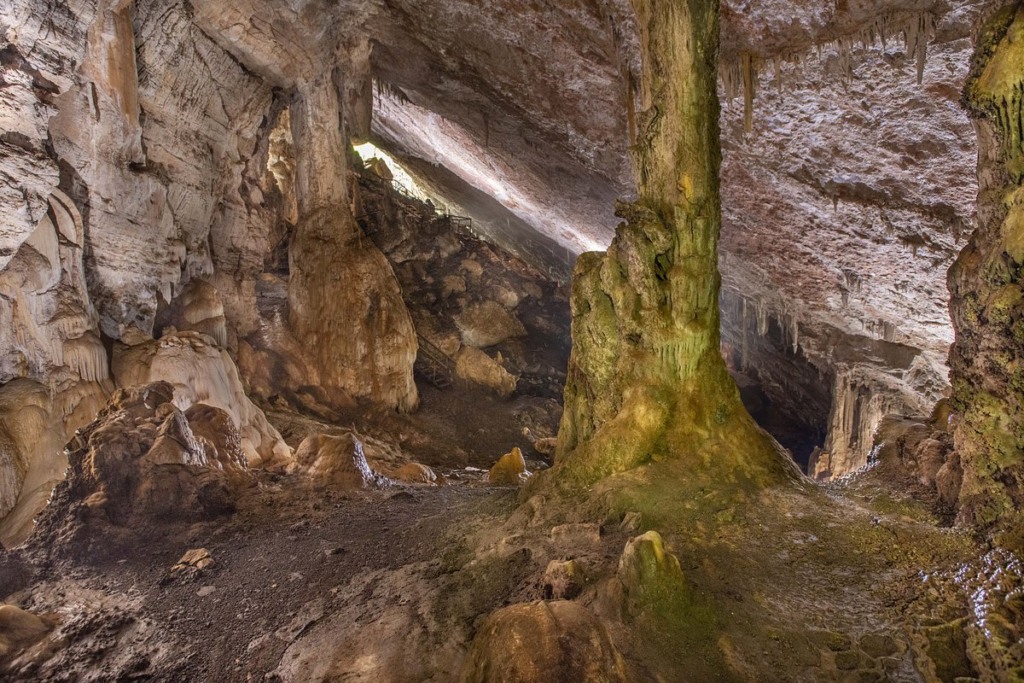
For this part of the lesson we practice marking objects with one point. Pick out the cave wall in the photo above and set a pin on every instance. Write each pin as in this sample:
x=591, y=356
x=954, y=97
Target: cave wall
x=846, y=203
x=848, y=175
x=988, y=303
x=139, y=216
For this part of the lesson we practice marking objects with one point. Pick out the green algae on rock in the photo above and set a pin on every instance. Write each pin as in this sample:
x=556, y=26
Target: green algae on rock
x=646, y=378
x=987, y=305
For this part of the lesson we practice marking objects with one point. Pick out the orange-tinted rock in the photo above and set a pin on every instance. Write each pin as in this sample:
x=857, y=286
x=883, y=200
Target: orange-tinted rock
x=541, y=642
x=510, y=470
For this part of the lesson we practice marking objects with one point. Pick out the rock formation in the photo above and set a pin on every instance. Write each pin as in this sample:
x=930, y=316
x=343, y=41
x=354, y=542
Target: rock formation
x=530, y=642
x=144, y=458
x=32, y=458
x=337, y=462
x=987, y=303
x=646, y=379
x=200, y=372
x=345, y=304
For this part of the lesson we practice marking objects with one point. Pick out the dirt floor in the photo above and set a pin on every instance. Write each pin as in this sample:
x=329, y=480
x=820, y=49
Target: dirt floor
x=281, y=563
x=455, y=428
x=856, y=582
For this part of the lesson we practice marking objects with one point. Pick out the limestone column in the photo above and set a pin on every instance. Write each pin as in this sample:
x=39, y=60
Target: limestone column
x=646, y=381
x=346, y=307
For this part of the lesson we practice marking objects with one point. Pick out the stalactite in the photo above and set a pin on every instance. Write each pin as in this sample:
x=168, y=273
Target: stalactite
x=749, y=82
x=739, y=74
x=762, y=318
x=87, y=358
x=745, y=347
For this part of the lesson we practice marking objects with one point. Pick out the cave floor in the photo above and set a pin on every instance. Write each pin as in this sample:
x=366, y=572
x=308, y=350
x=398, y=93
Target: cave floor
x=282, y=564
x=854, y=582
x=452, y=429
x=806, y=584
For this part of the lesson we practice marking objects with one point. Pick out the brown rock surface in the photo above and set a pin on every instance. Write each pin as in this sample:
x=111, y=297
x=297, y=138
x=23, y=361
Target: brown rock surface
x=543, y=641
x=488, y=323
x=345, y=306
x=20, y=629
x=32, y=458
x=200, y=372
x=476, y=367
x=140, y=461
x=337, y=462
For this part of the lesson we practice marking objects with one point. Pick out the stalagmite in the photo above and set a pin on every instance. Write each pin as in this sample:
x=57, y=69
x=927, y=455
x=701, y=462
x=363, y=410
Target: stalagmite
x=646, y=367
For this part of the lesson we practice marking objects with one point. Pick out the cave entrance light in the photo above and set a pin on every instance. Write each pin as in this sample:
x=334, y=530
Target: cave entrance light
x=369, y=151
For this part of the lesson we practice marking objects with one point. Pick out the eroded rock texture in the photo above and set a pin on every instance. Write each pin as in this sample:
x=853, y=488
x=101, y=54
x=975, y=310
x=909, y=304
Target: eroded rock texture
x=646, y=379
x=844, y=206
x=145, y=459
x=988, y=306
x=147, y=185
x=344, y=300
x=173, y=166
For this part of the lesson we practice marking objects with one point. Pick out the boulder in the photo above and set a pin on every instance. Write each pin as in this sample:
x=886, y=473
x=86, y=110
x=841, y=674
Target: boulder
x=563, y=580
x=200, y=372
x=540, y=642
x=337, y=462
x=19, y=630
x=452, y=284
x=415, y=473
x=472, y=268
x=930, y=456
x=650, y=575
x=505, y=296
x=546, y=446
x=475, y=367
x=142, y=459
x=510, y=470
x=488, y=323
x=193, y=563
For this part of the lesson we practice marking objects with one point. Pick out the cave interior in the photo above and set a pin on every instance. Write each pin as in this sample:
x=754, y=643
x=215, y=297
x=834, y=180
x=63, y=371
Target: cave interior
x=499, y=341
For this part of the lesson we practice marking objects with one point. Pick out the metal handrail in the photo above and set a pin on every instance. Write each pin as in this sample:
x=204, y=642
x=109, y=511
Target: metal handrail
x=435, y=355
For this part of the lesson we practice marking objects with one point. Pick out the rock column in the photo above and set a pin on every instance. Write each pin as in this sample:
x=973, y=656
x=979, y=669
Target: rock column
x=646, y=379
x=346, y=307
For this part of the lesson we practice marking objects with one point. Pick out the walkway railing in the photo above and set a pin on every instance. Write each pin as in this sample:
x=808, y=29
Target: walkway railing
x=434, y=365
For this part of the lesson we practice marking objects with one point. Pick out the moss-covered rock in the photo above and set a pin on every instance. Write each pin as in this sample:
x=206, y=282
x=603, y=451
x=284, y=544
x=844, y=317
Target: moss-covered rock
x=988, y=299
